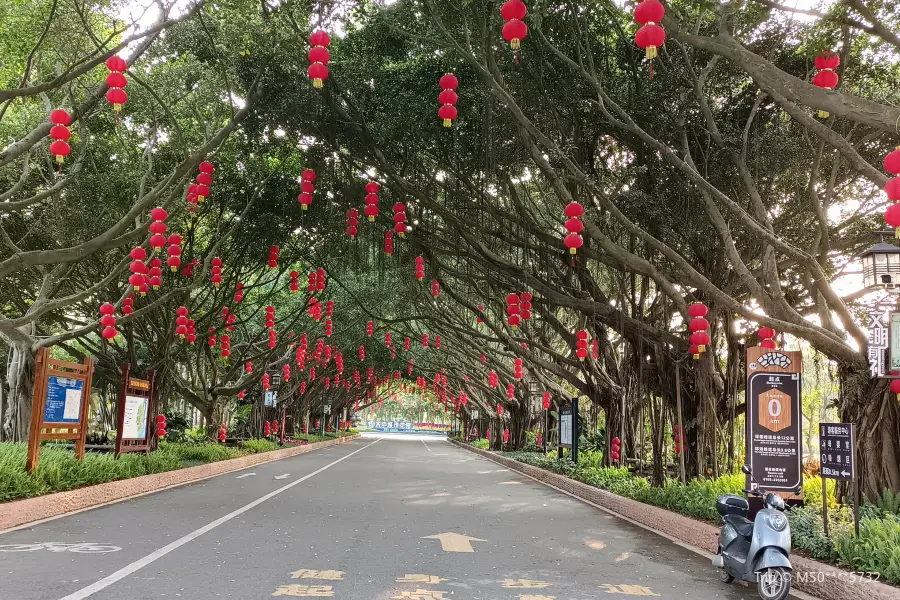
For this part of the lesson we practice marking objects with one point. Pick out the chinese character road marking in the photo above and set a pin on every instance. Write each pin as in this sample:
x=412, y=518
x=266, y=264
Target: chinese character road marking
x=313, y=574
x=524, y=583
x=304, y=590
x=421, y=595
x=628, y=590
x=418, y=578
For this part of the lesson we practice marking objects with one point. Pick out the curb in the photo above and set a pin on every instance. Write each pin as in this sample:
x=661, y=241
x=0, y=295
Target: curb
x=819, y=579
x=30, y=511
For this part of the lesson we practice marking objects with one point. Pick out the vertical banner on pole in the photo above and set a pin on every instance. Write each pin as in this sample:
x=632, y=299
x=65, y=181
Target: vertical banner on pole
x=568, y=429
x=60, y=404
x=773, y=420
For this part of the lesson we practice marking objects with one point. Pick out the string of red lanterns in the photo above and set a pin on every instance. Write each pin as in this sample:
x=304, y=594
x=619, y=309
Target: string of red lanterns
x=448, y=98
x=108, y=321
x=307, y=188
x=116, y=81
x=650, y=36
x=318, y=57
x=60, y=135
x=826, y=78
x=515, y=29
x=371, y=209
x=352, y=223
x=699, y=338
x=574, y=226
x=892, y=189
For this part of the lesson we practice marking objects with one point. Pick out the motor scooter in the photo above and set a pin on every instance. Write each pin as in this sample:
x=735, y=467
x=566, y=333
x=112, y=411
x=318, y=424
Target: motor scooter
x=755, y=551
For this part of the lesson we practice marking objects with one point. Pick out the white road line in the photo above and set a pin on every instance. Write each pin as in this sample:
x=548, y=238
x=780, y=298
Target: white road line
x=245, y=475
x=426, y=446
x=154, y=556
x=285, y=476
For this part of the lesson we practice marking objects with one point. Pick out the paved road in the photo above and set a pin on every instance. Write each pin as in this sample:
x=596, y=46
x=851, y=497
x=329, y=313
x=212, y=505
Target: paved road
x=353, y=523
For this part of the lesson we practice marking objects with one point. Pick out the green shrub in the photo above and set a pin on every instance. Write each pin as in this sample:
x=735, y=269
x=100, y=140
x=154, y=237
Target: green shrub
x=808, y=534
x=530, y=442
x=58, y=470
x=257, y=446
x=887, y=502
x=481, y=444
x=812, y=491
x=202, y=453
x=877, y=549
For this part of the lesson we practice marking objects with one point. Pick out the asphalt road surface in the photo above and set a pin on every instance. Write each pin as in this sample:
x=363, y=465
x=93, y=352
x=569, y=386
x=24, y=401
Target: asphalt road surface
x=374, y=519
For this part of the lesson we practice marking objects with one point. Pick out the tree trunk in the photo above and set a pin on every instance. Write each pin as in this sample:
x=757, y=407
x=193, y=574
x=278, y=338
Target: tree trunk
x=17, y=416
x=870, y=405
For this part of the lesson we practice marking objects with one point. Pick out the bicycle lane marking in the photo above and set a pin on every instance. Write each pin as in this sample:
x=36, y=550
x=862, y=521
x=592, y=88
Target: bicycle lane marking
x=127, y=570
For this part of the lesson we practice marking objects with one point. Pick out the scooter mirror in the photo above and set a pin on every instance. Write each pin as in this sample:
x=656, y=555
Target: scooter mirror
x=746, y=469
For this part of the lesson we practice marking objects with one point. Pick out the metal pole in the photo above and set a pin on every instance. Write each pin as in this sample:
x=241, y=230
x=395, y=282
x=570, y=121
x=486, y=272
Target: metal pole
x=824, y=506
x=855, y=506
x=680, y=424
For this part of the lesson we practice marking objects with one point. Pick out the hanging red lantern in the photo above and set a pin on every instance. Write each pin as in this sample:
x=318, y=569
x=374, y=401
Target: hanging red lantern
x=448, y=98
x=513, y=318
x=614, y=450
x=294, y=285
x=573, y=242
x=307, y=188
x=892, y=189
x=204, y=180
x=420, y=268
x=399, y=219
x=370, y=328
x=546, y=400
x=60, y=134
x=435, y=288
x=581, y=344
x=352, y=223
x=517, y=368
x=826, y=62
x=222, y=433
x=437, y=342
x=700, y=339
x=318, y=57
x=161, y=426
x=510, y=394
x=389, y=243
x=108, y=321
x=273, y=257
x=173, y=252
x=574, y=226
x=651, y=35
x=158, y=228
x=320, y=280
x=895, y=387
x=424, y=340
x=371, y=209
x=181, y=321
x=766, y=337
x=216, y=271
x=515, y=30
x=116, y=81
x=128, y=304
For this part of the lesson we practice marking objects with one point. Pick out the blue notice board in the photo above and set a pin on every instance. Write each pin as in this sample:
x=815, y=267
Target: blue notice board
x=63, y=403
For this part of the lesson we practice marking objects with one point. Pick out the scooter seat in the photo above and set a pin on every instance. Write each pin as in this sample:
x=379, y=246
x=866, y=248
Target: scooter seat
x=742, y=525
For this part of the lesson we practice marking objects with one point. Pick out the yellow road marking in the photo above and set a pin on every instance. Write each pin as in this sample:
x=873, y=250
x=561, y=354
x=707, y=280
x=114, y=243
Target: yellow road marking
x=419, y=578
x=510, y=483
x=454, y=542
x=524, y=583
x=421, y=594
x=313, y=574
x=628, y=590
x=304, y=590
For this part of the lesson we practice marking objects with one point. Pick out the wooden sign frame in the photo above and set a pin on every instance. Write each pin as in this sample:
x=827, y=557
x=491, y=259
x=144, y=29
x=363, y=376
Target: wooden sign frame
x=59, y=429
x=142, y=388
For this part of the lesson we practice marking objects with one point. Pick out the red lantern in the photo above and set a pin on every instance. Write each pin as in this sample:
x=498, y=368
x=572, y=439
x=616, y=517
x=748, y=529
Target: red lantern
x=108, y=321
x=506, y=436
x=60, y=134
x=371, y=209
x=318, y=58
x=650, y=36
x=826, y=62
x=306, y=188
x=895, y=387
x=352, y=223
x=161, y=424
x=546, y=400
x=116, y=81
x=515, y=30
x=581, y=345
x=273, y=257
x=222, y=433
x=766, y=337
x=435, y=288
x=204, y=180
x=448, y=98
x=420, y=268
x=389, y=243
x=700, y=339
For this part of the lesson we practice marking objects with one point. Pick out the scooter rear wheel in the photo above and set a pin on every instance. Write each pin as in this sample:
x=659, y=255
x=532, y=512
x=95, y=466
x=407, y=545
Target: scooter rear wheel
x=774, y=583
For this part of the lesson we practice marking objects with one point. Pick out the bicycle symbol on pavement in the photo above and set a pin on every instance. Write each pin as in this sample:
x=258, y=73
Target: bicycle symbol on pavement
x=79, y=548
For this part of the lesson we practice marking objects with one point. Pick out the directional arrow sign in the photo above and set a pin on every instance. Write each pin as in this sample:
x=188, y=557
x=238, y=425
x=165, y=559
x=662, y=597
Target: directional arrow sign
x=245, y=475
x=454, y=542
x=285, y=476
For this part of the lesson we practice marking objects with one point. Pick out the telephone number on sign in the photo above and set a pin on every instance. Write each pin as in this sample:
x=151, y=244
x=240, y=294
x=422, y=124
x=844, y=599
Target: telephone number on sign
x=848, y=576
